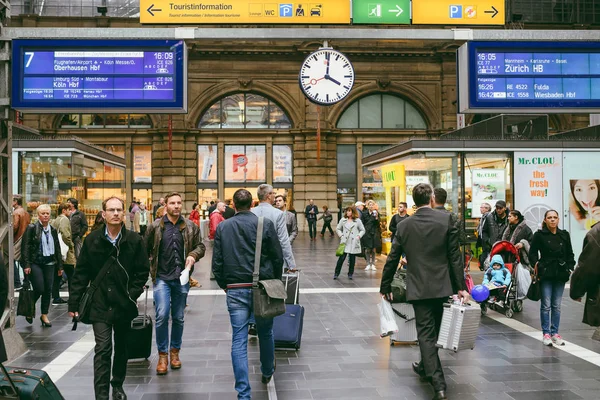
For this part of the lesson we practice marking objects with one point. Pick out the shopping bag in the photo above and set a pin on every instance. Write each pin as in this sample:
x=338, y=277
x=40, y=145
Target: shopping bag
x=64, y=248
x=340, y=249
x=26, y=305
x=535, y=289
x=523, y=281
x=387, y=319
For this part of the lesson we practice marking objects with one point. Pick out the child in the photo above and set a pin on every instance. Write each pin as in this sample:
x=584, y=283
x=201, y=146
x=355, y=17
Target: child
x=497, y=274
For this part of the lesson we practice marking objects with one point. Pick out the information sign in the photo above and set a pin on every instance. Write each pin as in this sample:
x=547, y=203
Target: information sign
x=381, y=12
x=458, y=12
x=244, y=12
x=524, y=77
x=96, y=75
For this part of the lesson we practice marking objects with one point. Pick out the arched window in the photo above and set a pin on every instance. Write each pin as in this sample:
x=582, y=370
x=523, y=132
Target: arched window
x=244, y=111
x=381, y=111
x=101, y=121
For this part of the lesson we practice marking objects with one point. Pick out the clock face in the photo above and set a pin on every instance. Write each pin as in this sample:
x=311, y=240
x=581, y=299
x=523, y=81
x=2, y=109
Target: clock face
x=326, y=77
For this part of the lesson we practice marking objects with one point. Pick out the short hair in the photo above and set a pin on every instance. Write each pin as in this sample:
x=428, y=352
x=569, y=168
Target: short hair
x=112, y=198
x=354, y=212
x=283, y=196
x=242, y=199
x=18, y=199
x=62, y=206
x=403, y=203
x=488, y=206
x=370, y=201
x=73, y=201
x=263, y=191
x=43, y=207
x=422, y=194
x=325, y=208
x=172, y=194
x=440, y=195
x=517, y=214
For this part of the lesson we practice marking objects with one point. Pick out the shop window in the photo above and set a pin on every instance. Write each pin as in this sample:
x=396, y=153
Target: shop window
x=245, y=163
x=97, y=121
x=207, y=163
x=382, y=111
x=282, y=163
x=244, y=111
x=143, y=196
x=205, y=196
x=69, y=121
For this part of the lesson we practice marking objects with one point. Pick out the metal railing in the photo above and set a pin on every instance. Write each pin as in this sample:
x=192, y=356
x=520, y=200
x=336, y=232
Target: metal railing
x=77, y=8
x=584, y=12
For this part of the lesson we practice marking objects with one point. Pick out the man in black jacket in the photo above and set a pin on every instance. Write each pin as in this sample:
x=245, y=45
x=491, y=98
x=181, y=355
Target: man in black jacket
x=495, y=224
x=430, y=241
x=233, y=266
x=399, y=217
x=439, y=203
x=79, y=225
x=120, y=257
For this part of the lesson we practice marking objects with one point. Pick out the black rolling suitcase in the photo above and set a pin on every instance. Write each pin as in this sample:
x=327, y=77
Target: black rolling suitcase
x=139, y=340
x=287, y=328
x=25, y=384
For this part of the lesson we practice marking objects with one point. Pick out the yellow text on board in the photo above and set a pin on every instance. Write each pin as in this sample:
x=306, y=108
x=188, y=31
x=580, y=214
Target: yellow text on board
x=393, y=175
x=458, y=12
x=244, y=12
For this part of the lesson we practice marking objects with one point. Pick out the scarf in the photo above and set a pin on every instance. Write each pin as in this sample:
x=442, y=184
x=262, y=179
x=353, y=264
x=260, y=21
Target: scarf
x=47, y=242
x=143, y=220
x=512, y=234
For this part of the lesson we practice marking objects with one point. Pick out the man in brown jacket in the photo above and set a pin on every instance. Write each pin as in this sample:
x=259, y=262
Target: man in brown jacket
x=21, y=219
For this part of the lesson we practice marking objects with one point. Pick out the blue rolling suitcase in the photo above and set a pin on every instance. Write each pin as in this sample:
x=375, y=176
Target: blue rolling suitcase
x=287, y=328
x=24, y=384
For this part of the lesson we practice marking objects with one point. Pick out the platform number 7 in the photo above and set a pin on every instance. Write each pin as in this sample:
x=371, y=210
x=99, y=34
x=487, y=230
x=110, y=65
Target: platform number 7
x=29, y=54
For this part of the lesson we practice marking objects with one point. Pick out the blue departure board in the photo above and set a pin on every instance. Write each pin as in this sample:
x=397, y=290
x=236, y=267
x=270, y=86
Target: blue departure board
x=99, y=76
x=529, y=77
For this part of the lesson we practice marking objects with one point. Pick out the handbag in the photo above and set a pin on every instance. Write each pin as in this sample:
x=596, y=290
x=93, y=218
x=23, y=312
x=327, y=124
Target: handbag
x=340, y=249
x=26, y=305
x=85, y=304
x=64, y=249
x=399, y=286
x=535, y=289
x=268, y=295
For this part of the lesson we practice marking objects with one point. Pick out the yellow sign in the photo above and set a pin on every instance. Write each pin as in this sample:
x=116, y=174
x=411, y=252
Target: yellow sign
x=393, y=175
x=458, y=12
x=244, y=12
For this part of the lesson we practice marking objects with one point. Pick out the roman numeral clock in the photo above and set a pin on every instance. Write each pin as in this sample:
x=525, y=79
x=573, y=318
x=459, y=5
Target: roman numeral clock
x=326, y=76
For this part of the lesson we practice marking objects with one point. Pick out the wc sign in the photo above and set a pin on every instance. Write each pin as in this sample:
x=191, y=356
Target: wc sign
x=456, y=11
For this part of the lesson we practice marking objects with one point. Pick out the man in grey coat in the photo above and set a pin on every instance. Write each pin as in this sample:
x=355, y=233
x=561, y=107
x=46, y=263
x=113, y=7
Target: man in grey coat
x=429, y=238
x=290, y=219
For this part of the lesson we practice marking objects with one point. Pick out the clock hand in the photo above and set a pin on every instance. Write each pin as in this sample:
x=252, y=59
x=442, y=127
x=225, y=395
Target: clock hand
x=327, y=57
x=332, y=80
x=315, y=81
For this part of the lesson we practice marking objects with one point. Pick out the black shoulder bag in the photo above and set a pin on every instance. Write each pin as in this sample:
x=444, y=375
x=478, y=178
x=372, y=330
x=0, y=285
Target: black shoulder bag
x=85, y=304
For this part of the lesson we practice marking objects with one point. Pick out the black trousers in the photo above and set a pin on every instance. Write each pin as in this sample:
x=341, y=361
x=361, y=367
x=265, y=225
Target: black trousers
x=326, y=225
x=143, y=230
x=428, y=316
x=312, y=228
x=42, y=279
x=340, y=263
x=103, y=333
x=69, y=270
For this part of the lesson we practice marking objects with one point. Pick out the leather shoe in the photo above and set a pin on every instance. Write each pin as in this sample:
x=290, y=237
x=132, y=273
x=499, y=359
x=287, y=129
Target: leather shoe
x=419, y=370
x=119, y=393
x=440, y=395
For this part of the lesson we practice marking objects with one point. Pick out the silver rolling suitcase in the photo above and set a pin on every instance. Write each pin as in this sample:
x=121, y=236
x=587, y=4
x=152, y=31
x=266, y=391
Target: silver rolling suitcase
x=407, y=325
x=460, y=325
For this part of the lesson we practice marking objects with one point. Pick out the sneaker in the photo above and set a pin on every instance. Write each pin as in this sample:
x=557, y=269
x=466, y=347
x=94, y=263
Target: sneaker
x=373, y=267
x=547, y=340
x=57, y=302
x=252, y=330
x=368, y=267
x=350, y=276
x=335, y=276
x=557, y=340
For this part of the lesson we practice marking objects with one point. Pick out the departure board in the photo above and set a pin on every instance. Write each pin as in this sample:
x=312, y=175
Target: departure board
x=522, y=77
x=144, y=76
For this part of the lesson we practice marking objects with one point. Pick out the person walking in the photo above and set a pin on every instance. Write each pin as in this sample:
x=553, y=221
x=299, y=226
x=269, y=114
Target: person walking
x=63, y=226
x=519, y=234
x=114, y=258
x=494, y=225
x=350, y=230
x=372, y=238
x=233, y=267
x=216, y=217
x=161, y=203
x=40, y=252
x=174, y=246
x=484, y=209
x=21, y=220
x=229, y=212
x=399, y=217
x=98, y=221
x=79, y=225
x=195, y=214
x=133, y=209
x=140, y=220
x=327, y=217
x=435, y=271
x=439, y=203
x=290, y=219
x=360, y=207
x=552, y=253
x=310, y=212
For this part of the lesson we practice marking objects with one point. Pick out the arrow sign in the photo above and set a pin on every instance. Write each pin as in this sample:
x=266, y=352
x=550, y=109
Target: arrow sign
x=398, y=10
x=150, y=9
x=492, y=11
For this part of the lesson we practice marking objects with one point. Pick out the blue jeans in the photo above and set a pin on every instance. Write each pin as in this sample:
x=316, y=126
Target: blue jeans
x=239, y=305
x=552, y=292
x=170, y=298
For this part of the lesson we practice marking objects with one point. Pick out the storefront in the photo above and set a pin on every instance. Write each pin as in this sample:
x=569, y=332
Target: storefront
x=532, y=176
x=49, y=171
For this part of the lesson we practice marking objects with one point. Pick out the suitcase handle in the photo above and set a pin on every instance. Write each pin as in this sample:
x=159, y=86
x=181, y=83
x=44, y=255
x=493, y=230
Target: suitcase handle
x=403, y=316
x=10, y=381
x=287, y=279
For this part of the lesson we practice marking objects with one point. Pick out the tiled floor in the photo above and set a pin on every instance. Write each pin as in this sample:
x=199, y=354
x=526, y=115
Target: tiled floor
x=342, y=356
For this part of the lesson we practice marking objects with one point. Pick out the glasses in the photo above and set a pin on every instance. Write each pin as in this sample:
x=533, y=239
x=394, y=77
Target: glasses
x=114, y=210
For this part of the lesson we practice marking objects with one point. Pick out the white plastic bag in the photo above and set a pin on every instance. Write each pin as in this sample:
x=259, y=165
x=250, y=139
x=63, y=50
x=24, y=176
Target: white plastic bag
x=523, y=281
x=185, y=276
x=64, y=249
x=387, y=319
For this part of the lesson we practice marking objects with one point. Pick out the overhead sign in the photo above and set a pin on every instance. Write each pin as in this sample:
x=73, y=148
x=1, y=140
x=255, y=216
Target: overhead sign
x=244, y=12
x=458, y=12
x=529, y=77
x=99, y=76
x=393, y=175
x=381, y=12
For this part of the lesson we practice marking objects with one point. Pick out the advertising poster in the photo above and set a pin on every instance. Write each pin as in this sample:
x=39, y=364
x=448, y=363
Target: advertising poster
x=142, y=164
x=411, y=182
x=282, y=164
x=538, y=185
x=581, y=187
x=489, y=186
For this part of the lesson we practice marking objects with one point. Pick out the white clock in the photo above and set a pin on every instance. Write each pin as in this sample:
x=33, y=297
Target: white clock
x=326, y=76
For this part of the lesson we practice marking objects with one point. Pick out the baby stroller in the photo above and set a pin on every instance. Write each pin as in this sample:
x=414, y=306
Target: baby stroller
x=505, y=301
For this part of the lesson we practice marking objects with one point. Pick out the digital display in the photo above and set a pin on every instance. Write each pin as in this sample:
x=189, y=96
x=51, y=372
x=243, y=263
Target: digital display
x=144, y=76
x=524, y=76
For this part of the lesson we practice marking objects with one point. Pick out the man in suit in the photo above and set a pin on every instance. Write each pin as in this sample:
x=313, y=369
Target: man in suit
x=430, y=241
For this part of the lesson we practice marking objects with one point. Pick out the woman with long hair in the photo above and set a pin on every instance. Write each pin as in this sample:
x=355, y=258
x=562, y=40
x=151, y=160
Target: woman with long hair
x=195, y=215
x=350, y=230
x=98, y=221
x=551, y=250
x=519, y=234
x=585, y=201
x=372, y=238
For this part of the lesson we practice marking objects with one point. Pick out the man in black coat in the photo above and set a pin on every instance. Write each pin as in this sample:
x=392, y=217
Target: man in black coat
x=120, y=257
x=586, y=277
x=430, y=241
x=399, y=217
x=79, y=225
